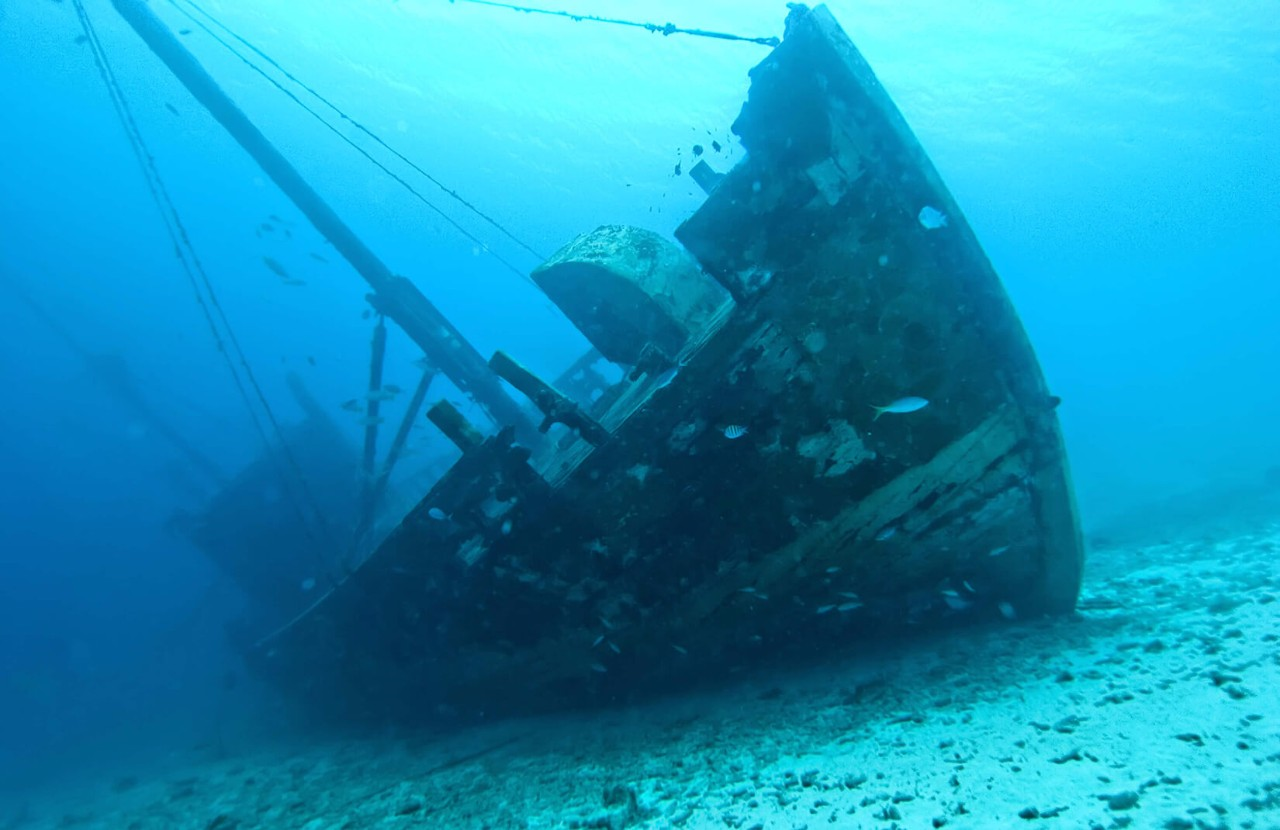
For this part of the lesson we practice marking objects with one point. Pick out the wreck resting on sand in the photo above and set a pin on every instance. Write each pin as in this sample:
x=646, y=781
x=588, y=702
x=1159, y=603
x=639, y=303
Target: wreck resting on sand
x=749, y=485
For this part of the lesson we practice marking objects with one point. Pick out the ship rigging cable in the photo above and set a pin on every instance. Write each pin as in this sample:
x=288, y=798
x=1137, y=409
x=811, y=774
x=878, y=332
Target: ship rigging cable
x=207, y=299
x=361, y=128
x=657, y=28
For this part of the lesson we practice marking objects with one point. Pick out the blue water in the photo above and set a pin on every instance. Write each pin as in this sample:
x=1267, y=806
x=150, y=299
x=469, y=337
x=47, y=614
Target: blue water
x=1118, y=162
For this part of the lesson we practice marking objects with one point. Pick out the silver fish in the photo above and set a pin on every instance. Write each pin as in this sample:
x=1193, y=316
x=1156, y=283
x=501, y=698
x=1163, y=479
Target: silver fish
x=663, y=380
x=931, y=218
x=734, y=431
x=275, y=267
x=901, y=405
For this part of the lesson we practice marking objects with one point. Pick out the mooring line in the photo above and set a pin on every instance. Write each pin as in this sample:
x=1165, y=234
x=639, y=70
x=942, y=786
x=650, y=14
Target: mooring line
x=224, y=336
x=657, y=28
x=361, y=128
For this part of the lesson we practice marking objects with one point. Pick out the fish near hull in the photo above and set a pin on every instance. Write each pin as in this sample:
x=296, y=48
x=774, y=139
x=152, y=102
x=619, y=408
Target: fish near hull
x=670, y=553
x=827, y=206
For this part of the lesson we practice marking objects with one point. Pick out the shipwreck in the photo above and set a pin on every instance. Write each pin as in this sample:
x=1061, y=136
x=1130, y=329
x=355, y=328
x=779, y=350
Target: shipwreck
x=829, y=425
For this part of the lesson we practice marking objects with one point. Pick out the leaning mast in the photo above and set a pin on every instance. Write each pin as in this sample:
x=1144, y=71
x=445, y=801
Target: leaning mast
x=394, y=296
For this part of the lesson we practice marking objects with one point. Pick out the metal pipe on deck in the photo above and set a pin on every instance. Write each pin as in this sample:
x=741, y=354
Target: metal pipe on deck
x=378, y=485
x=557, y=408
x=378, y=353
x=396, y=296
x=402, y=434
x=455, y=426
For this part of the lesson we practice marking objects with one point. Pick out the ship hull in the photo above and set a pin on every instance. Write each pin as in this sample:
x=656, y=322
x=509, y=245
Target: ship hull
x=753, y=496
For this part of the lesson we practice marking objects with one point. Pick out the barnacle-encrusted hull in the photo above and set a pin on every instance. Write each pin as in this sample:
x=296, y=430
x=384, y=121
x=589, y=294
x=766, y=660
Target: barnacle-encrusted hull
x=671, y=551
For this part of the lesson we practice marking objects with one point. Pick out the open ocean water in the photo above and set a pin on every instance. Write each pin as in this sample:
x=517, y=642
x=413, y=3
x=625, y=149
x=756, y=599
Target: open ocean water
x=172, y=320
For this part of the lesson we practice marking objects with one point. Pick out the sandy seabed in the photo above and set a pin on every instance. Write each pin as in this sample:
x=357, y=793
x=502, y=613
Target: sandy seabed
x=1156, y=705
